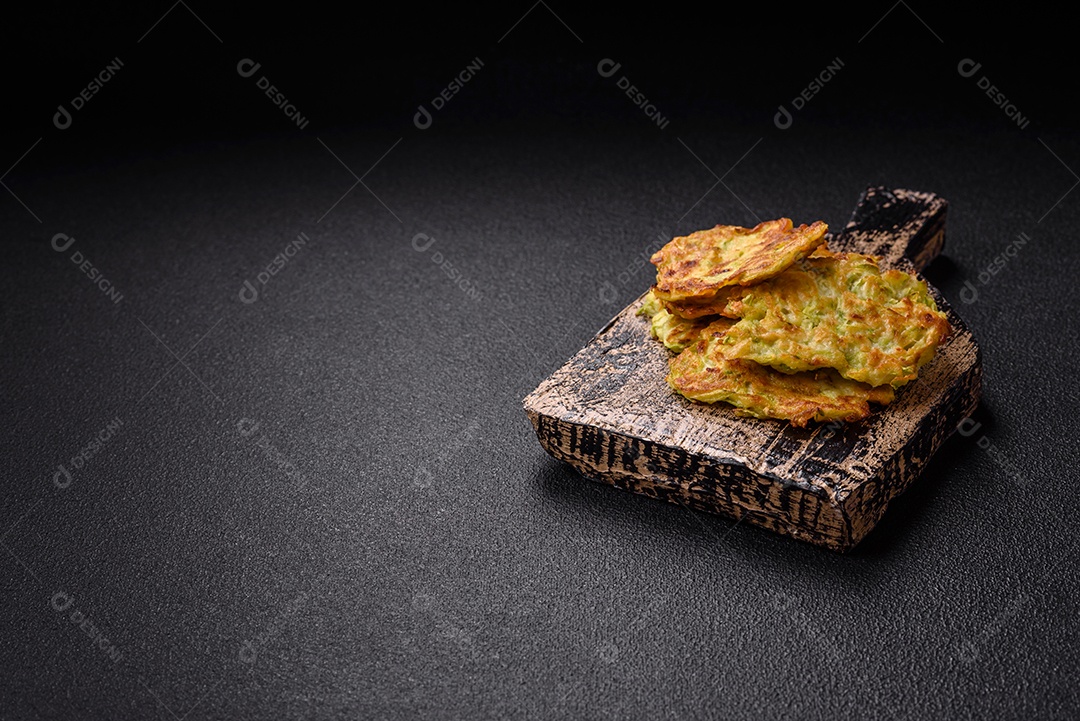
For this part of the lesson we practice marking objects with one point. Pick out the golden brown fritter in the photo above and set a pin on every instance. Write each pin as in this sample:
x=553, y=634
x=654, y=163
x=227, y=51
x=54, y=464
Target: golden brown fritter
x=698, y=266
x=838, y=311
x=703, y=373
x=717, y=305
x=674, y=332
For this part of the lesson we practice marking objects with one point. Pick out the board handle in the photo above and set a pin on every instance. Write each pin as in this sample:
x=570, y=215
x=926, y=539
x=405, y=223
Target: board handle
x=895, y=225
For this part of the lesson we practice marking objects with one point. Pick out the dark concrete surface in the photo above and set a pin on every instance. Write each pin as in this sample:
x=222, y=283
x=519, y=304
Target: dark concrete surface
x=328, y=503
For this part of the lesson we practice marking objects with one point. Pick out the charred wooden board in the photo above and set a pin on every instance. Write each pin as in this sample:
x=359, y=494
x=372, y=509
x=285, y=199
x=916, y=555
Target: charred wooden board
x=610, y=414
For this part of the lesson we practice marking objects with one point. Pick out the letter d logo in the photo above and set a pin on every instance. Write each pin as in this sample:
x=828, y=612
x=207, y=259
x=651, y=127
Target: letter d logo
x=246, y=426
x=248, y=294
x=422, y=119
x=607, y=67
x=62, y=118
x=62, y=478
x=247, y=653
x=968, y=67
x=608, y=293
x=62, y=238
x=968, y=427
x=422, y=237
x=247, y=67
x=61, y=601
x=969, y=293
x=783, y=118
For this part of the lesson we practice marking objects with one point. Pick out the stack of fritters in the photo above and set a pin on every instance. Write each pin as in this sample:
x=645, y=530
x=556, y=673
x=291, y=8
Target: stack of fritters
x=772, y=322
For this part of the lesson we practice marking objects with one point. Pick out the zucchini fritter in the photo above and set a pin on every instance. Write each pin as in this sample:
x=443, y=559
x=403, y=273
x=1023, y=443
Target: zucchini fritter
x=698, y=266
x=838, y=311
x=651, y=305
x=716, y=305
x=674, y=332
x=703, y=373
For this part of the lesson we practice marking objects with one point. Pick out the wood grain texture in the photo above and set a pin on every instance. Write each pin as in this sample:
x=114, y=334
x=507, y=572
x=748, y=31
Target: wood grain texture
x=610, y=414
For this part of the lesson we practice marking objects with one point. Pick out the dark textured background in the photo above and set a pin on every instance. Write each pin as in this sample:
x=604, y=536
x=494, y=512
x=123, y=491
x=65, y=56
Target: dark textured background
x=392, y=542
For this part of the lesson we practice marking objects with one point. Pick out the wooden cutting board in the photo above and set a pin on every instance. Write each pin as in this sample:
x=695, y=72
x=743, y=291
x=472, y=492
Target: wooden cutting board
x=610, y=414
